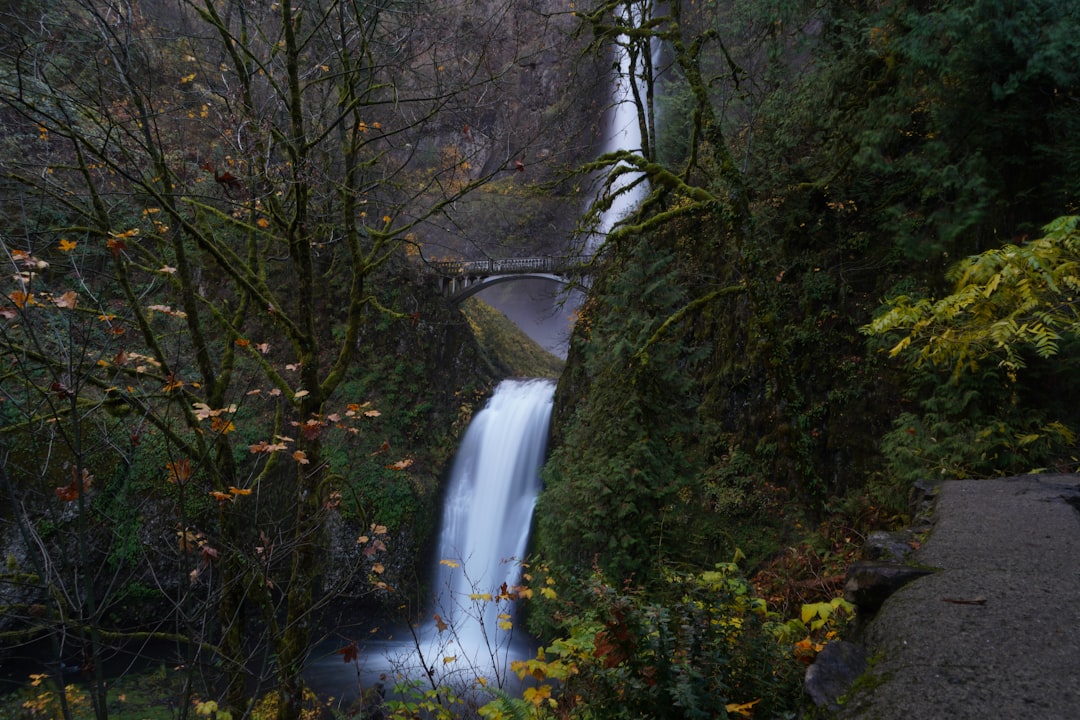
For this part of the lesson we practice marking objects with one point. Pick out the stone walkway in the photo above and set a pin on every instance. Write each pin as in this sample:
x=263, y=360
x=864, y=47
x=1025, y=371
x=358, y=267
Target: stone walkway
x=995, y=633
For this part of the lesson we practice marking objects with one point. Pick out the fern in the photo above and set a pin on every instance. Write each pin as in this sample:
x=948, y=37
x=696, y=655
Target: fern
x=1005, y=301
x=506, y=707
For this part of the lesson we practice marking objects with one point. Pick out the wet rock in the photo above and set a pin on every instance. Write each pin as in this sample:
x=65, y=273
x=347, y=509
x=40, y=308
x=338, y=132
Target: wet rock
x=893, y=547
x=869, y=582
x=834, y=670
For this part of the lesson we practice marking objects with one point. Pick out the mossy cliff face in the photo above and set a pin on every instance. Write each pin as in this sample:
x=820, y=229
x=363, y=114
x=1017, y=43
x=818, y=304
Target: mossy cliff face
x=719, y=432
x=718, y=388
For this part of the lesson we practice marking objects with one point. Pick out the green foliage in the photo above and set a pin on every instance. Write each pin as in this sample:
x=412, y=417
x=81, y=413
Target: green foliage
x=955, y=111
x=701, y=649
x=138, y=695
x=417, y=699
x=1005, y=301
x=511, y=350
x=996, y=338
x=620, y=468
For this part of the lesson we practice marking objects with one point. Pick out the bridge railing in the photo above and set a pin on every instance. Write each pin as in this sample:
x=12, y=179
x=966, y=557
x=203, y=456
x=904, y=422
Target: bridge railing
x=509, y=266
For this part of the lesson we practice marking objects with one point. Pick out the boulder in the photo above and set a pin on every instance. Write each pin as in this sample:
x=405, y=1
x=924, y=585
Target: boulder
x=834, y=670
x=870, y=582
x=893, y=547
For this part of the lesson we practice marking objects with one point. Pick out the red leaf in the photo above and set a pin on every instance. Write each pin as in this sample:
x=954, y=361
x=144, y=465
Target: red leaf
x=349, y=653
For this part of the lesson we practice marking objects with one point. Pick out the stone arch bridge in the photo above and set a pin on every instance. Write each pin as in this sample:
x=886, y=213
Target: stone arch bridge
x=458, y=280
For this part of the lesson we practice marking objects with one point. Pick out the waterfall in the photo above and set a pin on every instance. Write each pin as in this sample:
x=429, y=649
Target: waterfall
x=623, y=132
x=490, y=495
x=486, y=516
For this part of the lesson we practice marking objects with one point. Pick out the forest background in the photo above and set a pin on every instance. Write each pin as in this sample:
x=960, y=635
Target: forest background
x=229, y=393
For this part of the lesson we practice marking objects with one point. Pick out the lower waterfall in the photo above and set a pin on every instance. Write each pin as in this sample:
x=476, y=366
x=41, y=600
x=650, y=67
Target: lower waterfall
x=468, y=631
x=487, y=513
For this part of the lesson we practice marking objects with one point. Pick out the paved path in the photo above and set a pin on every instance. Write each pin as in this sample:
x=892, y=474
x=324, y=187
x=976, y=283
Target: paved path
x=995, y=635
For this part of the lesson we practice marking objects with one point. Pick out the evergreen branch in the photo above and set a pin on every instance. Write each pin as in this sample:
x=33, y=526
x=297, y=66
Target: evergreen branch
x=643, y=353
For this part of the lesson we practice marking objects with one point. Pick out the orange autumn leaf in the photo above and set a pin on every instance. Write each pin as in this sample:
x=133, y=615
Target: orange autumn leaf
x=222, y=425
x=21, y=299
x=179, y=471
x=68, y=300
x=67, y=245
x=301, y=457
x=239, y=491
x=400, y=464
x=116, y=246
x=241, y=342
x=70, y=492
x=221, y=497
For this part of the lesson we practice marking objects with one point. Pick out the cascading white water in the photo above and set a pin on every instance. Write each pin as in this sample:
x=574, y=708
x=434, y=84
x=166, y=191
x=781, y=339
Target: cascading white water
x=490, y=496
x=623, y=132
x=486, y=515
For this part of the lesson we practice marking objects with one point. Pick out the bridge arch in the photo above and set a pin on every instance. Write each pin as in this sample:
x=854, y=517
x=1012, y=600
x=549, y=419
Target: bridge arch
x=470, y=289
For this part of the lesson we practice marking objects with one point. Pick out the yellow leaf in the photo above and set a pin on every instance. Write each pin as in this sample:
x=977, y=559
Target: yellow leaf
x=899, y=347
x=449, y=659
x=67, y=245
x=449, y=563
x=537, y=695
x=744, y=709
